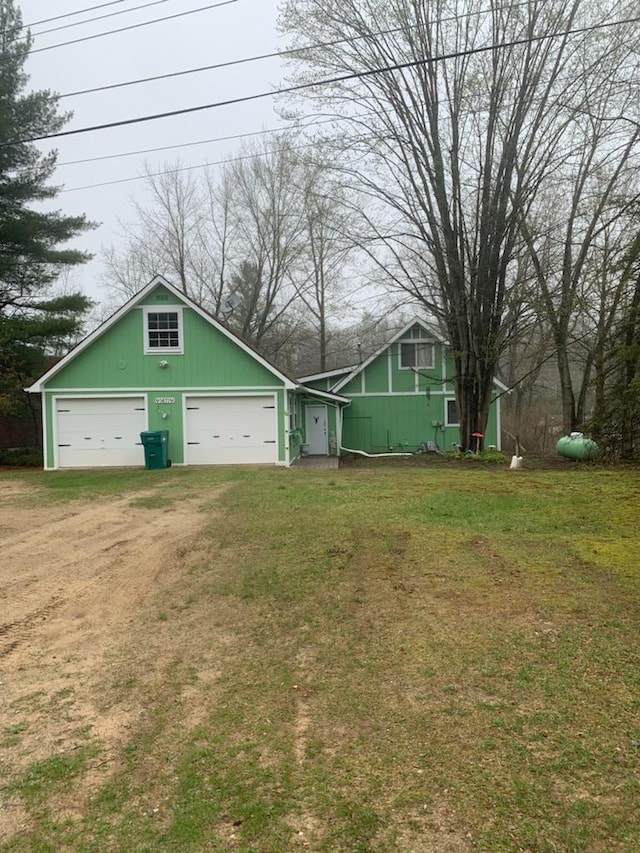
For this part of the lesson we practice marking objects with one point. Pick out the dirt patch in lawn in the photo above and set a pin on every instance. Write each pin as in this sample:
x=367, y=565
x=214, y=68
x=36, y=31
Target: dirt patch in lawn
x=87, y=627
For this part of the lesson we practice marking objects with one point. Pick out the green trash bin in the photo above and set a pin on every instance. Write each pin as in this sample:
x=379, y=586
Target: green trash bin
x=156, y=448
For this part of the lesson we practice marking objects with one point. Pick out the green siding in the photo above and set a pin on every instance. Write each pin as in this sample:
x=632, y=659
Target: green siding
x=376, y=376
x=404, y=380
x=326, y=383
x=116, y=360
x=401, y=418
x=319, y=384
x=378, y=424
x=352, y=387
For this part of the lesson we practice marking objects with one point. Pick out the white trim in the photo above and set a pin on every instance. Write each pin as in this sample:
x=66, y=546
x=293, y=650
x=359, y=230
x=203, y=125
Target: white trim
x=396, y=337
x=166, y=309
x=390, y=369
x=135, y=301
x=325, y=449
x=434, y=392
x=327, y=374
x=328, y=395
x=45, y=433
x=399, y=394
x=415, y=342
x=446, y=412
x=216, y=389
x=276, y=414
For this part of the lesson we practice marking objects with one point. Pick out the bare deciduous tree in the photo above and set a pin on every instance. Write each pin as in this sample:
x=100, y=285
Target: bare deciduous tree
x=261, y=245
x=454, y=115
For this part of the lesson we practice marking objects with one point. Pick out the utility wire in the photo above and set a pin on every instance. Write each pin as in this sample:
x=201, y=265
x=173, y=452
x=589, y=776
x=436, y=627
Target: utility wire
x=273, y=55
x=228, y=64
x=235, y=136
x=325, y=82
x=100, y=18
x=179, y=169
x=66, y=15
x=126, y=29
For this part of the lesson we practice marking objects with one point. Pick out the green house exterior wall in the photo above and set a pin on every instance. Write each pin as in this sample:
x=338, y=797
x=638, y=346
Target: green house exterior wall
x=397, y=409
x=401, y=423
x=115, y=363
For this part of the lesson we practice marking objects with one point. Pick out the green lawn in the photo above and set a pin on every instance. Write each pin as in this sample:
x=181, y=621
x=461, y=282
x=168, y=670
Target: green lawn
x=434, y=659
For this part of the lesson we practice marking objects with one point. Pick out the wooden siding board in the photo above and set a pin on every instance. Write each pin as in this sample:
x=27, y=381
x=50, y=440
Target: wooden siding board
x=395, y=422
x=377, y=424
x=319, y=384
x=376, y=376
x=403, y=379
x=116, y=360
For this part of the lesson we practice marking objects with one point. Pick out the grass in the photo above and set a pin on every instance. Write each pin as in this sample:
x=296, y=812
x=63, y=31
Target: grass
x=440, y=659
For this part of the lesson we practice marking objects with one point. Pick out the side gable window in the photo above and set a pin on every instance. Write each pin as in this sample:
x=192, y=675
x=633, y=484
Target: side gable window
x=163, y=329
x=416, y=354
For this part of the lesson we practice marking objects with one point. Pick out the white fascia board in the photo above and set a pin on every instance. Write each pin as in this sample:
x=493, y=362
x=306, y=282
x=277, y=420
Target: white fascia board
x=324, y=395
x=37, y=386
x=403, y=331
x=327, y=374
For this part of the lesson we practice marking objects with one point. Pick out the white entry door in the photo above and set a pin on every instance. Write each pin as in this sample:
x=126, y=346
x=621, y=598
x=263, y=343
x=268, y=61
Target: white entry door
x=316, y=430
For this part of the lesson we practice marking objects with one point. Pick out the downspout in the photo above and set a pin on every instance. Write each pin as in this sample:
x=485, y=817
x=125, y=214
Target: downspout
x=339, y=430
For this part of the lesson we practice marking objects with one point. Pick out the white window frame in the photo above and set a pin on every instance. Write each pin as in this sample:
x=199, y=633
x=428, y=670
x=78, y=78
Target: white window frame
x=416, y=342
x=447, y=422
x=162, y=309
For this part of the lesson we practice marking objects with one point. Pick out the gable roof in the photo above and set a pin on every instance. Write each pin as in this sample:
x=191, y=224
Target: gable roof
x=428, y=327
x=403, y=331
x=324, y=395
x=135, y=300
x=327, y=374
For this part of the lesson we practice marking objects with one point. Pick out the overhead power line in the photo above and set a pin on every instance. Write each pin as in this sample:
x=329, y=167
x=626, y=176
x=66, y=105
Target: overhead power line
x=228, y=64
x=315, y=84
x=130, y=27
x=265, y=132
x=273, y=55
x=66, y=15
x=232, y=138
x=100, y=18
x=179, y=169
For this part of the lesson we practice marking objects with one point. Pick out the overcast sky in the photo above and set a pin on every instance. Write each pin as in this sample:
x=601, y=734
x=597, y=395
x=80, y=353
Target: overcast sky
x=243, y=28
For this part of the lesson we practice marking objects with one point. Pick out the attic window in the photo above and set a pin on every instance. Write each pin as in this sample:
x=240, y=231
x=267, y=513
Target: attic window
x=416, y=332
x=163, y=330
x=416, y=354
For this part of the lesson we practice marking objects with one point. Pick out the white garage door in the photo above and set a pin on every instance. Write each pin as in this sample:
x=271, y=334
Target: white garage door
x=96, y=431
x=230, y=430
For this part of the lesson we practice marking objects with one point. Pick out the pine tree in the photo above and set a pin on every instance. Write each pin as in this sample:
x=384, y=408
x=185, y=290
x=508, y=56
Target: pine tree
x=32, y=320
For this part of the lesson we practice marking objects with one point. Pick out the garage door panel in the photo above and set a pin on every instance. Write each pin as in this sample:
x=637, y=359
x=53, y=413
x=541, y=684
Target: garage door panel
x=231, y=430
x=100, y=432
